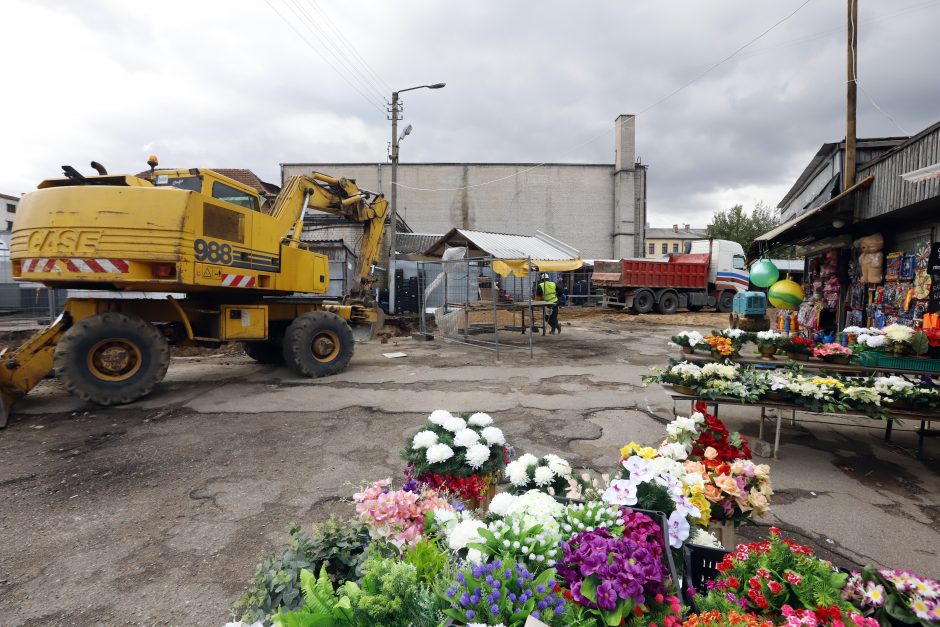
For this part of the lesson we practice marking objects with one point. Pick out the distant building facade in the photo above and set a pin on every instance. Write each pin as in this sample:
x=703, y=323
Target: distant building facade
x=600, y=209
x=9, y=211
x=661, y=242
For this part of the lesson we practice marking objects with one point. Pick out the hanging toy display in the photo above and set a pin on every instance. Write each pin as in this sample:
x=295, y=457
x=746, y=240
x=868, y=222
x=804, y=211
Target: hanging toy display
x=764, y=273
x=786, y=294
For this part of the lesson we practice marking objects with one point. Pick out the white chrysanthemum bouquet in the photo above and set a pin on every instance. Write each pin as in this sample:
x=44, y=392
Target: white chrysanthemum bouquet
x=461, y=454
x=550, y=474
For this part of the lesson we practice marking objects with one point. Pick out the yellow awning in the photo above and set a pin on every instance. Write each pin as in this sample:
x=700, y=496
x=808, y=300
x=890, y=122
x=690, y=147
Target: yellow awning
x=520, y=267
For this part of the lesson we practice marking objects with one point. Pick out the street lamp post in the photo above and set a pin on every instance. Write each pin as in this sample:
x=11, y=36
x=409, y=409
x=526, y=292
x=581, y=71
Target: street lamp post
x=394, y=212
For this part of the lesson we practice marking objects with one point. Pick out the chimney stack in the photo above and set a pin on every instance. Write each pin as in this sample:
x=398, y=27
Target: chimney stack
x=675, y=228
x=625, y=143
x=687, y=229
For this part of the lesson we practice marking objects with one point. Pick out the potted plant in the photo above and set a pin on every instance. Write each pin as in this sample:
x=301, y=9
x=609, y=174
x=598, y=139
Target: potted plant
x=903, y=340
x=768, y=343
x=684, y=377
x=797, y=348
x=833, y=353
x=461, y=455
x=689, y=341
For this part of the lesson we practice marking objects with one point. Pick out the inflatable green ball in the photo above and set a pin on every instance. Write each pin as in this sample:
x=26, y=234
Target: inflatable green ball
x=764, y=273
x=786, y=294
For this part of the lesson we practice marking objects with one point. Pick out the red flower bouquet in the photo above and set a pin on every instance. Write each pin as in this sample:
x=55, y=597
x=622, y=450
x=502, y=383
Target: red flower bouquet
x=715, y=434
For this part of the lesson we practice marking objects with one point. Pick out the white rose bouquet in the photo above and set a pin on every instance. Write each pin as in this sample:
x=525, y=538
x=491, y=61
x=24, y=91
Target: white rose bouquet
x=549, y=473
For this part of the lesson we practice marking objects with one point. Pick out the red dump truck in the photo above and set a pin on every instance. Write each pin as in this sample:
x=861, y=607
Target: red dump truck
x=709, y=275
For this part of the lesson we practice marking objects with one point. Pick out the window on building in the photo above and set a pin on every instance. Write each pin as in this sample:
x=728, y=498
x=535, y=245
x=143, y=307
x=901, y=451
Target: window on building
x=652, y=249
x=675, y=248
x=234, y=196
x=9, y=225
x=665, y=248
x=11, y=208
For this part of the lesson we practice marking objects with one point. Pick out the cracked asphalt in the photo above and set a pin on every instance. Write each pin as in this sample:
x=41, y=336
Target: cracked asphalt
x=156, y=513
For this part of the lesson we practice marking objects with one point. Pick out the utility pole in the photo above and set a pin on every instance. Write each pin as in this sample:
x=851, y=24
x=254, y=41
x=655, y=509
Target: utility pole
x=848, y=175
x=392, y=236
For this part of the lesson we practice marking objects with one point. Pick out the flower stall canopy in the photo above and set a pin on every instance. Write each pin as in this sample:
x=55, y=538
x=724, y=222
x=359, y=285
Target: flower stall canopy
x=512, y=254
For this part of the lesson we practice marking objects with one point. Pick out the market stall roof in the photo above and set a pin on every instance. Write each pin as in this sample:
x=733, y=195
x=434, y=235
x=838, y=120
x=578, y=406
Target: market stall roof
x=812, y=225
x=511, y=253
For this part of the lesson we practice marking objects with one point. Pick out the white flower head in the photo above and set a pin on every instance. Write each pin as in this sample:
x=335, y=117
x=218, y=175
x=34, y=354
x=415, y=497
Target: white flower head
x=477, y=455
x=493, y=436
x=424, y=439
x=518, y=473
x=440, y=416
x=898, y=332
x=463, y=533
x=439, y=453
x=501, y=503
x=466, y=437
x=454, y=424
x=528, y=459
x=543, y=476
x=480, y=419
x=558, y=465
x=674, y=450
x=704, y=538
x=621, y=492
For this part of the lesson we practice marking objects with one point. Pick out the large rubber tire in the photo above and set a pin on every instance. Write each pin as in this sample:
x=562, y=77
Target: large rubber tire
x=725, y=301
x=643, y=302
x=111, y=358
x=266, y=352
x=317, y=344
x=668, y=303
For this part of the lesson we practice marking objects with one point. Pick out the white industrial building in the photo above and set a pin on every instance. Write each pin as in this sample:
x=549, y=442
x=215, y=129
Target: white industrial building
x=599, y=209
x=8, y=204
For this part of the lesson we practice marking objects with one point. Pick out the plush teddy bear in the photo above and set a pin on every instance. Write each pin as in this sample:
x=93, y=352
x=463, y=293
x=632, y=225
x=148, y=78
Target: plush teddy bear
x=871, y=259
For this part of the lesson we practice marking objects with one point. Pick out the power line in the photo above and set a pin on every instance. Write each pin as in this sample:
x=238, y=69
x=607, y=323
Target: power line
x=642, y=111
x=329, y=45
x=381, y=107
x=355, y=52
x=864, y=91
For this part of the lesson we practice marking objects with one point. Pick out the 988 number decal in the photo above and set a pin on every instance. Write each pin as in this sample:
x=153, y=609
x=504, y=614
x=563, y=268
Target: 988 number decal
x=213, y=252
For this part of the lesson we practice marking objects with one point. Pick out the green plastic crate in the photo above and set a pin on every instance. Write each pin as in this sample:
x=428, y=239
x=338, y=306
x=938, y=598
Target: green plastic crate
x=886, y=361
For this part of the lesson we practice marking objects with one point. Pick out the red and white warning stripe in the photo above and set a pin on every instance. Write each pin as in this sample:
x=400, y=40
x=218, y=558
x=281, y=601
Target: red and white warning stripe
x=238, y=280
x=98, y=266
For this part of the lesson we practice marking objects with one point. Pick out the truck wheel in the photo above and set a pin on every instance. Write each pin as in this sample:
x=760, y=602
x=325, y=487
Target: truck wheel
x=643, y=302
x=266, y=352
x=317, y=344
x=111, y=358
x=668, y=303
x=725, y=301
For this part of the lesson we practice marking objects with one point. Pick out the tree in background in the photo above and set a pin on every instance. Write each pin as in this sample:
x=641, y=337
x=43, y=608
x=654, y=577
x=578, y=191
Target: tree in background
x=737, y=225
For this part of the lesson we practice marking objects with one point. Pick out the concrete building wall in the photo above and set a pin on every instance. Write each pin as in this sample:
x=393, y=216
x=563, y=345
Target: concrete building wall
x=600, y=209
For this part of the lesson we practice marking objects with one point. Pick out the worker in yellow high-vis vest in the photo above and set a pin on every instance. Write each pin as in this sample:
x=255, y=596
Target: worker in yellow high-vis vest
x=549, y=293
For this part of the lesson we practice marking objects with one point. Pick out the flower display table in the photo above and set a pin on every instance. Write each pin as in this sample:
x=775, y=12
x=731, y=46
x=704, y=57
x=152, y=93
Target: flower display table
x=926, y=417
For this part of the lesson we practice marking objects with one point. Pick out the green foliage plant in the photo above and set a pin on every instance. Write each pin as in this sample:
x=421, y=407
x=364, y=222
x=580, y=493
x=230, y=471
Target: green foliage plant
x=338, y=545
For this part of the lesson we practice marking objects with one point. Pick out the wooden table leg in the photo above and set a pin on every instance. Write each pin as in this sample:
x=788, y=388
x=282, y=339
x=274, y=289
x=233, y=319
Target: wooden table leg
x=888, y=429
x=760, y=431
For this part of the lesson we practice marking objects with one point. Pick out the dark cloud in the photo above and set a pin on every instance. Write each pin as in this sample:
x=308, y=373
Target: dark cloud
x=536, y=81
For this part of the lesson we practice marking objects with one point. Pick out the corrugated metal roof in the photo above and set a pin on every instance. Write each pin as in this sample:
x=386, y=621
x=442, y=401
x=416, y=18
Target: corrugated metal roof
x=414, y=243
x=507, y=246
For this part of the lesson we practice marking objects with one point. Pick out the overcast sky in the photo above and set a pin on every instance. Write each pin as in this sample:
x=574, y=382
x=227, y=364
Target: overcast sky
x=230, y=84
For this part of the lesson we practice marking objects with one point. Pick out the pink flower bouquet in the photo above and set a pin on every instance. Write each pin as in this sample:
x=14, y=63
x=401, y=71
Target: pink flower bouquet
x=397, y=515
x=832, y=351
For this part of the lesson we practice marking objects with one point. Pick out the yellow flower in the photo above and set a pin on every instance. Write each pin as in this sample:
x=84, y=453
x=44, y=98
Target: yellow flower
x=833, y=383
x=636, y=449
x=704, y=507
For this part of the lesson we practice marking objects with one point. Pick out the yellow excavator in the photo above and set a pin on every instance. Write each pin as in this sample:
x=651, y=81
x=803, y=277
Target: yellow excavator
x=245, y=276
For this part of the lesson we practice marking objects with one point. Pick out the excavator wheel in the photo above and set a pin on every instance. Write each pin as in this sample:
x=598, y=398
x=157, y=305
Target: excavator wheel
x=111, y=358
x=317, y=344
x=266, y=352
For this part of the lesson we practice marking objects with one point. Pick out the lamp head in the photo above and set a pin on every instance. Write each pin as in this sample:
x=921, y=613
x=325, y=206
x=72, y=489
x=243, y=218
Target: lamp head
x=436, y=85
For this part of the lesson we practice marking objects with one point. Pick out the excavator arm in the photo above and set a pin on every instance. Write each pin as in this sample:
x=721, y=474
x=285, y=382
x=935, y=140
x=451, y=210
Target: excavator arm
x=340, y=197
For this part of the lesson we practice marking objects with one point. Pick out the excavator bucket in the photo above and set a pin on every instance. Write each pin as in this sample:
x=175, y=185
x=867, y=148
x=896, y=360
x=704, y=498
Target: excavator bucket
x=6, y=405
x=366, y=332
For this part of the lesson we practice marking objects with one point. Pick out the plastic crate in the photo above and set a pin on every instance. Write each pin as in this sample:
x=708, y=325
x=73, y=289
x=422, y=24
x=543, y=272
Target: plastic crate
x=701, y=564
x=883, y=360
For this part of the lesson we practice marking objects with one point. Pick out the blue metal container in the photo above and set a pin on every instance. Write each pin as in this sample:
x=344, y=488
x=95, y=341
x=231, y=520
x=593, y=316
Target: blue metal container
x=750, y=304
